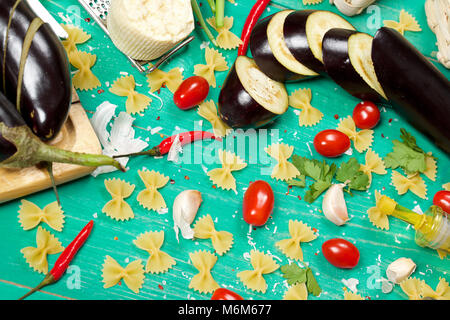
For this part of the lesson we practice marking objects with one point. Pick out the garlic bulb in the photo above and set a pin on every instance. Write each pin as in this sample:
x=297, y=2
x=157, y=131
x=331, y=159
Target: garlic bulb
x=334, y=206
x=351, y=7
x=438, y=13
x=185, y=207
x=400, y=269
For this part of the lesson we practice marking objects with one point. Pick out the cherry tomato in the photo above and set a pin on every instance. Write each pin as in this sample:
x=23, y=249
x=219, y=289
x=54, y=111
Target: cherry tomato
x=366, y=115
x=331, y=143
x=191, y=92
x=258, y=203
x=442, y=199
x=340, y=253
x=225, y=294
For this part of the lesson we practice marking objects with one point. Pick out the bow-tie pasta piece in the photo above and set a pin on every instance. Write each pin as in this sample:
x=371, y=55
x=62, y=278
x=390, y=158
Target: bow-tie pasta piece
x=208, y=111
x=125, y=87
x=132, y=274
x=222, y=177
x=306, y=2
x=406, y=23
x=283, y=170
x=30, y=215
x=76, y=36
x=296, y=292
x=215, y=61
x=225, y=38
x=150, y=198
x=348, y=295
x=203, y=282
x=301, y=99
x=262, y=264
x=159, y=261
x=362, y=140
x=431, y=167
x=47, y=244
x=413, y=183
x=299, y=232
x=373, y=164
x=83, y=78
x=171, y=79
x=222, y=241
x=379, y=216
x=117, y=208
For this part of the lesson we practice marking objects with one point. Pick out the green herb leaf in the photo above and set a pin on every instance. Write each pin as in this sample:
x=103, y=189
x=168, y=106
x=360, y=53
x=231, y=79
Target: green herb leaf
x=311, y=283
x=300, y=181
x=316, y=189
x=349, y=171
x=294, y=274
x=406, y=158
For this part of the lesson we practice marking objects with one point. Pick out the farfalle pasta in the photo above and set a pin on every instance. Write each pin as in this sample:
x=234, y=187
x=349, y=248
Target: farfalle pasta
x=306, y=2
x=117, y=208
x=374, y=164
x=159, y=261
x=348, y=295
x=203, y=282
x=299, y=232
x=283, y=170
x=150, y=198
x=125, y=87
x=262, y=264
x=30, y=215
x=132, y=274
x=83, y=78
x=296, y=292
x=47, y=244
x=225, y=39
x=222, y=241
x=406, y=23
x=208, y=111
x=417, y=289
x=414, y=183
x=76, y=36
x=214, y=62
x=431, y=169
x=301, y=99
x=362, y=139
x=171, y=79
x=222, y=177
x=378, y=217
x=446, y=186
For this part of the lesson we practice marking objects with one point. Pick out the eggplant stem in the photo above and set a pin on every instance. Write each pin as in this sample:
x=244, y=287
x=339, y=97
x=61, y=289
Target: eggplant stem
x=154, y=152
x=49, y=167
x=49, y=279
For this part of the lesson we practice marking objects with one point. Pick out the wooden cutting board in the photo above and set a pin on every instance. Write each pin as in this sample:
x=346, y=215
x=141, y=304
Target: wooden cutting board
x=77, y=135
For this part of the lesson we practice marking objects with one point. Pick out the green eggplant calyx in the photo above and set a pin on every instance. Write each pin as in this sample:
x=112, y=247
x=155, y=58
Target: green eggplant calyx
x=31, y=151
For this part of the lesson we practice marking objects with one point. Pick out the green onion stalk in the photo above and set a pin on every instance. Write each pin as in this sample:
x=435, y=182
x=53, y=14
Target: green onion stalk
x=220, y=13
x=199, y=16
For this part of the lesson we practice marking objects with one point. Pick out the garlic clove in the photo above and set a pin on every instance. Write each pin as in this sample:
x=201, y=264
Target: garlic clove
x=185, y=208
x=400, y=269
x=334, y=206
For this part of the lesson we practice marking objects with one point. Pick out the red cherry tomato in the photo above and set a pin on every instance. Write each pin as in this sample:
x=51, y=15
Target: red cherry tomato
x=340, y=253
x=442, y=199
x=191, y=92
x=331, y=143
x=366, y=115
x=225, y=294
x=258, y=203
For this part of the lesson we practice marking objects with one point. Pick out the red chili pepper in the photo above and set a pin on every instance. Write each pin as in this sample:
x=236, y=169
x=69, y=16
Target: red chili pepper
x=256, y=12
x=64, y=259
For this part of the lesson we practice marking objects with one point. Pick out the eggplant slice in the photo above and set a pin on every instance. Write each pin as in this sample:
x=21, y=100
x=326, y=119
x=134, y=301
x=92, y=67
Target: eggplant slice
x=249, y=98
x=415, y=87
x=303, y=34
x=347, y=59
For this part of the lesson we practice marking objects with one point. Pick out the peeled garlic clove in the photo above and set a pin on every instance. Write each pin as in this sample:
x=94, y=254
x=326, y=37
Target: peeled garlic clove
x=400, y=269
x=185, y=207
x=334, y=206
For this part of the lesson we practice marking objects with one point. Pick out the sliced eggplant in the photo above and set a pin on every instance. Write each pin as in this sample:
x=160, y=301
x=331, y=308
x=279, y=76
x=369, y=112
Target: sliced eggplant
x=249, y=98
x=347, y=59
x=270, y=52
x=303, y=34
x=35, y=69
x=418, y=90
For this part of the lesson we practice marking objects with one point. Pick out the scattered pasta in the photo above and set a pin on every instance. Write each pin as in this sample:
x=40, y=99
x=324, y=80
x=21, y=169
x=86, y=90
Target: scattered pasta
x=171, y=79
x=76, y=36
x=222, y=177
x=208, y=110
x=262, y=264
x=431, y=169
x=117, y=208
x=222, y=241
x=378, y=217
x=83, y=79
x=203, y=282
x=446, y=186
x=214, y=62
x=349, y=295
x=306, y=2
x=301, y=99
x=150, y=198
x=414, y=183
x=417, y=289
x=299, y=232
x=125, y=87
x=296, y=292
x=132, y=274
x=412, y=287
x=373, y=164
x=30, y=215
x=362, y=140
x=159, y=261
x=283, y=170
x=46, y=244
x=225, y=38
x=406, y=23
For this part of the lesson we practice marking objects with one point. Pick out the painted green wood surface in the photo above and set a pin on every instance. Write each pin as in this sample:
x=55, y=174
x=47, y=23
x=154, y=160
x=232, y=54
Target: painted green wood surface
x=84, y=199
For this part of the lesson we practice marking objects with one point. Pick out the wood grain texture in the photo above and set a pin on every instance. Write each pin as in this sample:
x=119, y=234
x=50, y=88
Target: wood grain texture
x=83, y=199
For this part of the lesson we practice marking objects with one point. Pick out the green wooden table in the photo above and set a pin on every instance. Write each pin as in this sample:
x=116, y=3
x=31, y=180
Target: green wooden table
x=84, y=199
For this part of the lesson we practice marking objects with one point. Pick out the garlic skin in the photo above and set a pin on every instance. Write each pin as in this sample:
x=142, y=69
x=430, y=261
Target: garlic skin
x=334, y=206
x=400, y=270
x=185, y=207
x=351, y=7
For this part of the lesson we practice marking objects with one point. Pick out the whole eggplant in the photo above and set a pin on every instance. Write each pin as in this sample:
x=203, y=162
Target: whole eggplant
x=37, y=80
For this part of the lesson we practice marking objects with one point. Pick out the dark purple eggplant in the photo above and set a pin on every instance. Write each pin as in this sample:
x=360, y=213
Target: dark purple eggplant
x=249, y=98
x=35, y=69
x=303, y=33
x=418, y=90
x=347, y=60
x=270, y=52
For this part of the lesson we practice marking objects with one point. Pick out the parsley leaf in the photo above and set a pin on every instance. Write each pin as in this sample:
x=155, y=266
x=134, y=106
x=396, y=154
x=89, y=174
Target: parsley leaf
x=311, y=283
x=406, y=158
x=293, y=274
x=349, y=171
x=300, y=181
x=316, y=189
